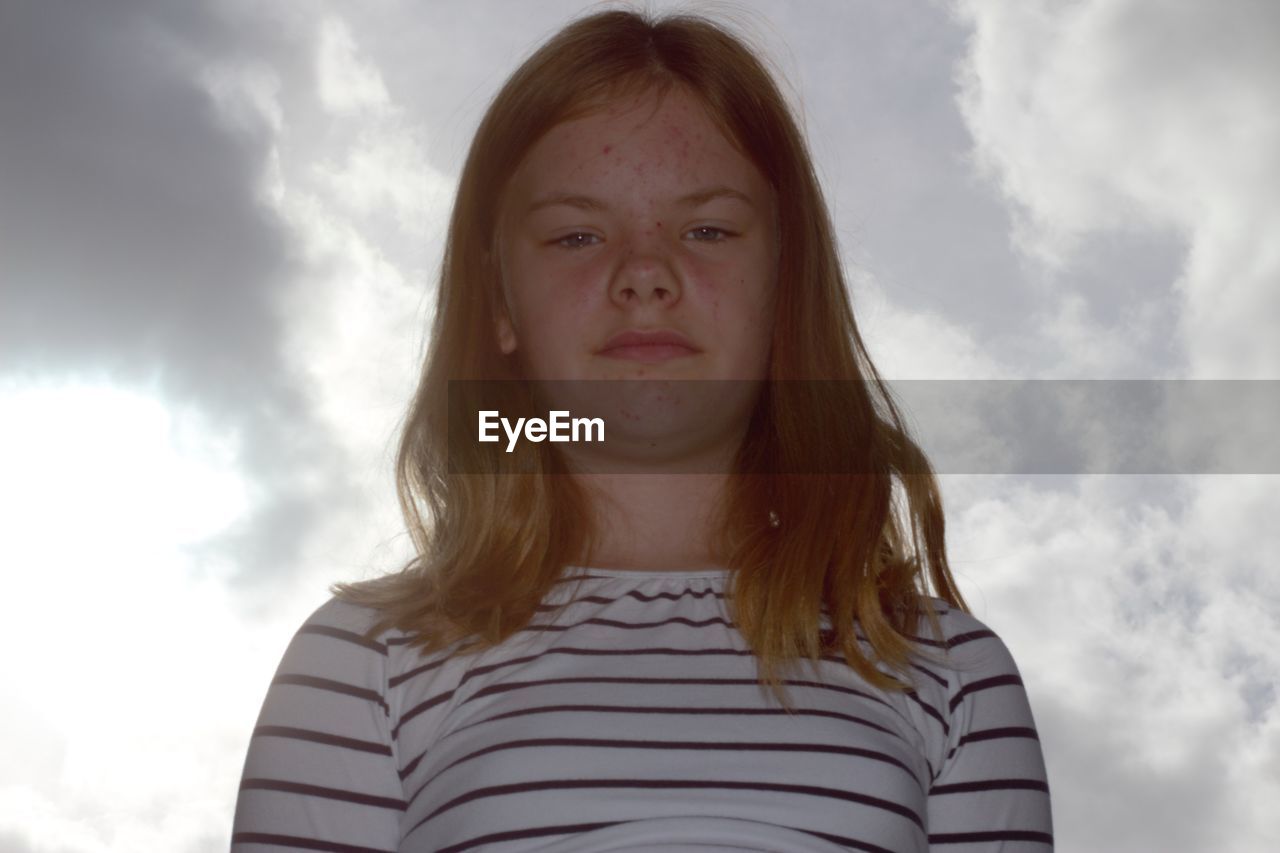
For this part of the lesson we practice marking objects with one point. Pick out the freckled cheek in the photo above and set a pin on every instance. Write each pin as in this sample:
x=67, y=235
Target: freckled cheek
x=562, y=310
x=738, y=303
x=708, y=280
x=725, y=292
x=564, y=285
x=583, y=290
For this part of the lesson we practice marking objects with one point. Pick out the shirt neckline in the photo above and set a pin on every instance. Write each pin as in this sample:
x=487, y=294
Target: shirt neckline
x=592, y=571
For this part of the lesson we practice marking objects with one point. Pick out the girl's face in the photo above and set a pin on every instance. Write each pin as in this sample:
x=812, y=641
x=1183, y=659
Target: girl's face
x=639, y=217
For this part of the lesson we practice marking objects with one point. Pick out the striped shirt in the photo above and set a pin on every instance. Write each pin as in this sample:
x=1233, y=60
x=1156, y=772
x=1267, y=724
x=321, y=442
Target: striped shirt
x=634, y=721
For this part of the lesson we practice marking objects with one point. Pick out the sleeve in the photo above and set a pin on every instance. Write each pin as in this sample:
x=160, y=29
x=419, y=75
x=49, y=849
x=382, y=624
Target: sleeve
x=990, y=793
x=321, y=769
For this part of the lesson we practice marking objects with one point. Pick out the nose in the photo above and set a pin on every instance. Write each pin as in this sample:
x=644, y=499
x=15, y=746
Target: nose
x=645, y=275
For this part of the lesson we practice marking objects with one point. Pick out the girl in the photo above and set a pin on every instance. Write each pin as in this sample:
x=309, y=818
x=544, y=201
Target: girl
x=574, y=659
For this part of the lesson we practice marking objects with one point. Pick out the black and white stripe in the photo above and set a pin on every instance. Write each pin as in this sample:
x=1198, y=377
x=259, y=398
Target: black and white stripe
x=633, y=720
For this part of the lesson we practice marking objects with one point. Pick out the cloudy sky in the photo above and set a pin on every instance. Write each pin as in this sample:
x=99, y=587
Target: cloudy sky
x=219, y=226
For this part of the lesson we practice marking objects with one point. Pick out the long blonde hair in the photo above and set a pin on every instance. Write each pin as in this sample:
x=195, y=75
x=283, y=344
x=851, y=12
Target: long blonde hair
x=497, y=541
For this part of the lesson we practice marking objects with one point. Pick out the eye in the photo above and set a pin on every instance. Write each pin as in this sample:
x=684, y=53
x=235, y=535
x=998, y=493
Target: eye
x=564, y=243
x=724, y=235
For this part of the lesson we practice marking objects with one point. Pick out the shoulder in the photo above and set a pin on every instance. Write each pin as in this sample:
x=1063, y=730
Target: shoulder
x=337, y=623
x=989, y=780
x=343, y=615
x=983, y=680
x=960, y=631
x=968, y=648
x=333, y=655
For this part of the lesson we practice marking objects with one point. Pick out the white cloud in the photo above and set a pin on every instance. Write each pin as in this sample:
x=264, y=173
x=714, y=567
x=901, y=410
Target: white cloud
x=368, y=213
x=1145, y=616
x=1147, y=636
x=365, y=211
x=906, y=344
x=347, y=81
x=130, y=672
x=385, y=170
x=1146, y=610
x=1089, y=348
x=1129, y=115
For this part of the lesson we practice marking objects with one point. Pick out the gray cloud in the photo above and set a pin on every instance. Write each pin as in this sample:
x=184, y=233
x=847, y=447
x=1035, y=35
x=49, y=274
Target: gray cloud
x=133, y=248
x=130, y=236
x=1116, y=131
x=1123, y=795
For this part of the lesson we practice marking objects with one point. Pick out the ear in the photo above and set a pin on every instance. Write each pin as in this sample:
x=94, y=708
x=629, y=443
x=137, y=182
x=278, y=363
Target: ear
x=503, y=329
x=505, y=333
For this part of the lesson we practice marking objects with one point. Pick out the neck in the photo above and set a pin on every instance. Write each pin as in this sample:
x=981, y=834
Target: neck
x=654, y=521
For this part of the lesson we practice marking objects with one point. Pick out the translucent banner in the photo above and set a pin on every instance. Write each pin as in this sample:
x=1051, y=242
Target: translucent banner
x=816, y=427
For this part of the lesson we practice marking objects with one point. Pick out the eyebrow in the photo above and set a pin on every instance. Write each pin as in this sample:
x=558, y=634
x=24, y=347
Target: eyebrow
x=585, y=202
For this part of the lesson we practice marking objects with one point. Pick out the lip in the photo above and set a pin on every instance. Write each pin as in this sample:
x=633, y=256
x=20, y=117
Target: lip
x=655, y=345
